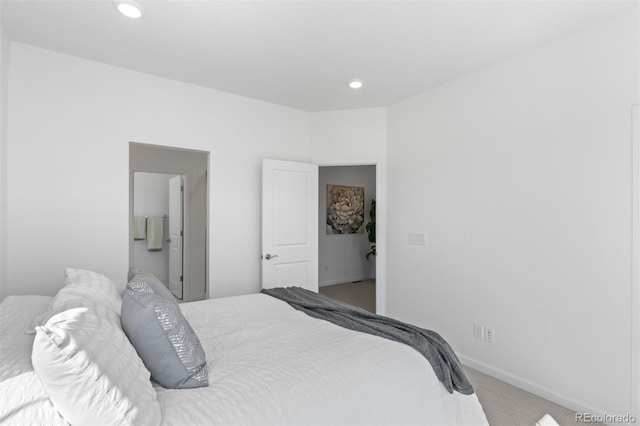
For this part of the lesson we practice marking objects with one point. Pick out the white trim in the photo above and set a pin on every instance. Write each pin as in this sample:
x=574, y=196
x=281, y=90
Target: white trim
x=541, y=391
x=346, y=280
x=635, y=263
x=381, y=222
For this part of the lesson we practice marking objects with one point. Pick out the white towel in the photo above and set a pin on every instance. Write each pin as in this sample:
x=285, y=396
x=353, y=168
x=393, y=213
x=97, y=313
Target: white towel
x=154, y=232
x=139, y=227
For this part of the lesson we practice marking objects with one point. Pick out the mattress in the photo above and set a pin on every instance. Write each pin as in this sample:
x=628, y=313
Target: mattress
x=268, y=364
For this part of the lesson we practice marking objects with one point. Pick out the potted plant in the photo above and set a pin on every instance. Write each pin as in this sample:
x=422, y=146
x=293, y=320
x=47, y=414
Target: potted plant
x=371, y=229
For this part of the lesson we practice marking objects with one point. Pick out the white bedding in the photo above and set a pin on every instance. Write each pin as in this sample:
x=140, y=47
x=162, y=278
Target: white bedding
x=268, y=364
x=23, y=400
x=271, y=364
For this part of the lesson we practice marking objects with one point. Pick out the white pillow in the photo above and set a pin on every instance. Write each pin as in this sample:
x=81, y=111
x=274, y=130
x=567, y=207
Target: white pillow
x=90, y=370
x=73, y=275
x=81, y=286
x=94, y=286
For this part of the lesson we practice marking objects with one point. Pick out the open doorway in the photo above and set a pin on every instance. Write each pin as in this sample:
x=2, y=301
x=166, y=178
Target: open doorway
x=171, y=237
x=346, y=251
x=158, y=207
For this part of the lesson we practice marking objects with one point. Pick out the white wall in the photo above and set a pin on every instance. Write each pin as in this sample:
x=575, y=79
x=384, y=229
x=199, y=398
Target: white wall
x=341, y=258
x=151, y=198
x=71, y=121
x=4, y=96
x=520, y=176
x=349, y=135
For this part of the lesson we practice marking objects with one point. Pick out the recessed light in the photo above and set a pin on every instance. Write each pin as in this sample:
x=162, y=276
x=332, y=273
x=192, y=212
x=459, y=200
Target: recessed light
x=356, y=83
x=129, y=8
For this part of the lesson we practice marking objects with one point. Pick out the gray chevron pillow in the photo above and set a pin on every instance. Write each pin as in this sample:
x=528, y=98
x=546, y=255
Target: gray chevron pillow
x=146, y=282
x=162, y=336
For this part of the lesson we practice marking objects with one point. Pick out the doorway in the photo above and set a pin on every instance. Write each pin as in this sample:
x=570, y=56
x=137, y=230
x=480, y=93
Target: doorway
x=346, y=242
x=158, y=228
x=180, y=258
x=287, y=187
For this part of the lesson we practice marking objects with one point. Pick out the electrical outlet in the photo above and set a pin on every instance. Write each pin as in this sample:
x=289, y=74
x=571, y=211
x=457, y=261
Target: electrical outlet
x=478, y=331
x=489, y=335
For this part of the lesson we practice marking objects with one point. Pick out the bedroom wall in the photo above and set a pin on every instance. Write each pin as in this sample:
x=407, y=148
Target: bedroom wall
x=342, y=257
x=5, y=46
x=71, y=122
x=357, y=134
x=520, y=177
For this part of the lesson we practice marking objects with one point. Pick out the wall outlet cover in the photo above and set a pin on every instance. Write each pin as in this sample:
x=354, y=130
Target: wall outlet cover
x=478, y=331
x=489, y=335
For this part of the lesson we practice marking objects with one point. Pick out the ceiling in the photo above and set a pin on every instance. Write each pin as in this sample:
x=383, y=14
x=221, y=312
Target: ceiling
x=302, y=53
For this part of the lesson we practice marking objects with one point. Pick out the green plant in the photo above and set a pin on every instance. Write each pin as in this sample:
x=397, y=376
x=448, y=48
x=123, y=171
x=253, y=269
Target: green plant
x=371, y=229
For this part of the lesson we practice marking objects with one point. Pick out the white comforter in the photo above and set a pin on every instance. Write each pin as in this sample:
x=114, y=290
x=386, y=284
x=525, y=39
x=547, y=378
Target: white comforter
x=271, y=364
x=23, y=401
x=268, y=364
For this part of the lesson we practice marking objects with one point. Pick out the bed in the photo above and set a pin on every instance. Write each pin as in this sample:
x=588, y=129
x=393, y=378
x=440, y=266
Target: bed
x=268, y=364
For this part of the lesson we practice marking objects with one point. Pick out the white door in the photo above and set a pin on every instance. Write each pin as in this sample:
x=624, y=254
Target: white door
x=175, y=236
x=289, y=224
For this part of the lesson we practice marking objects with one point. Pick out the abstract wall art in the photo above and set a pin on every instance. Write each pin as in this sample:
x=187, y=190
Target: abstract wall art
x=345, y=209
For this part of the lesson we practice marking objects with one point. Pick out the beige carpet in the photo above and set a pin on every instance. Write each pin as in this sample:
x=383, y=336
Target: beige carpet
x=358, y=293
x=511, y=406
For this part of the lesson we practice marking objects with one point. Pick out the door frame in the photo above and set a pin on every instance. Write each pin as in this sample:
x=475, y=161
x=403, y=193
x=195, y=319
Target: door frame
x=381, y=222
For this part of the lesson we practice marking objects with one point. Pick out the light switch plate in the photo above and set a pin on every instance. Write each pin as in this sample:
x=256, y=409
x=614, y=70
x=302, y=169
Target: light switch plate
x=417, y=239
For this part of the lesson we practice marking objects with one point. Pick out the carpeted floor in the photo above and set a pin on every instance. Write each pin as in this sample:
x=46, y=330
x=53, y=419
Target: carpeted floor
x=504, y=405
x=511, y=406
x=358, y=293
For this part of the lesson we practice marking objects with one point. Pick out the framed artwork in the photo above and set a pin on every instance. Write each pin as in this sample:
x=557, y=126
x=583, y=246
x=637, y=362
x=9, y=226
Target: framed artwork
x=345, y=209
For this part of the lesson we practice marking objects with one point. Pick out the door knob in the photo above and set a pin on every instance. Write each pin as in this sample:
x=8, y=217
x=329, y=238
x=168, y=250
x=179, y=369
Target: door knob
x=268, y=256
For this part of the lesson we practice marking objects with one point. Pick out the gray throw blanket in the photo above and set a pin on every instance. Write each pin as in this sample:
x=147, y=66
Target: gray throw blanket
x=434, y=348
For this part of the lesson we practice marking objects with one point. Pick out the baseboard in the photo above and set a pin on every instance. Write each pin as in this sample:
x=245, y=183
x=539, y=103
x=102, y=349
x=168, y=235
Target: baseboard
x=346, y=280
x=541, y=391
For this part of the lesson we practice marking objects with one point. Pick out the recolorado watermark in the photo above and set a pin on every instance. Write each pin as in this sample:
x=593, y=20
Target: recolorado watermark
x=605, y=418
